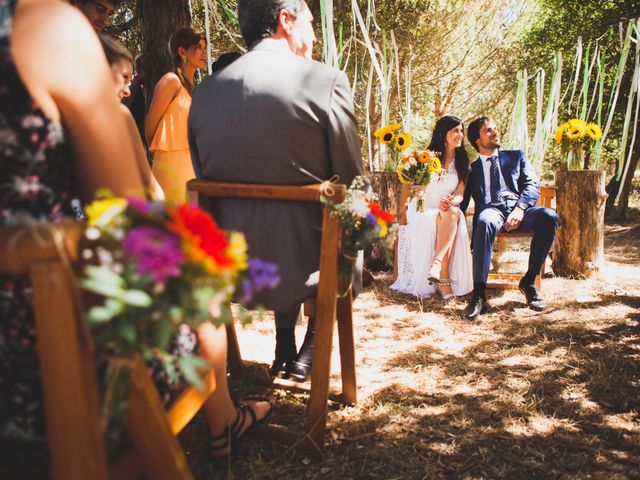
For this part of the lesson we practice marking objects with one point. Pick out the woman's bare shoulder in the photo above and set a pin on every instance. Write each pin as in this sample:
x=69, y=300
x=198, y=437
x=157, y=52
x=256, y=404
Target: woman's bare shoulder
x=170, y=82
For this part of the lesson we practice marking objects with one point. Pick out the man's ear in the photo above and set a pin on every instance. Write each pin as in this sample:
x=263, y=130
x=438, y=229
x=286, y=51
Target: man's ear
x=285, y=22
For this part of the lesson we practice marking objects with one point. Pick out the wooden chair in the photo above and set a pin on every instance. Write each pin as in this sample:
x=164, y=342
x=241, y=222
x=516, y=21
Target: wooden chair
x=508, y=281
x=75, y=440
x=327, y=307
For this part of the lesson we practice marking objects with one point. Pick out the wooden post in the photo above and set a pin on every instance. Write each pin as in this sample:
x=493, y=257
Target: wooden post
x=580, y=201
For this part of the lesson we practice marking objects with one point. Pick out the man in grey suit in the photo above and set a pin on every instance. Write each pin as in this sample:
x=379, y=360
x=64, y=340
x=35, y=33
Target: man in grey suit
x=275, y=116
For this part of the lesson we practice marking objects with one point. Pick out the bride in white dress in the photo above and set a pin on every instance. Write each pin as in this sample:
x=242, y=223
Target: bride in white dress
x=433, y=247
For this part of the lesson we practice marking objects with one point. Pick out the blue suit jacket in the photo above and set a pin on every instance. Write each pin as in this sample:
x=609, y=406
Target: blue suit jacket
x=517, y=173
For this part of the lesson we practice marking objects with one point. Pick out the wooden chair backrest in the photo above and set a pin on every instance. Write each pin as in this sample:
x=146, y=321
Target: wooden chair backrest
x=46, y=252
x=199, y=192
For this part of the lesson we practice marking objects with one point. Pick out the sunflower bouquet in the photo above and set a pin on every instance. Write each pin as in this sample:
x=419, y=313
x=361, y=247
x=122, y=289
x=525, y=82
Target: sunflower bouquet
x=395, y=142
x=158, y=268
x=417, y=168
x=576, y=138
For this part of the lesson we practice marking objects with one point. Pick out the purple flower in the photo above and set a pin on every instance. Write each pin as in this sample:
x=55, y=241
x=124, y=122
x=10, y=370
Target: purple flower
x=261, y=275
x=371, y=218
x=140, y=205
x=156, y=251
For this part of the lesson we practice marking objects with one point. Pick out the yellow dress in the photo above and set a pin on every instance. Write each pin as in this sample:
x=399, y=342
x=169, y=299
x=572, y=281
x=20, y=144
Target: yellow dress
x=171, y=159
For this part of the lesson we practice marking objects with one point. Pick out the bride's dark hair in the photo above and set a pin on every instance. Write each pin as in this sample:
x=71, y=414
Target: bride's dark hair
x=443, y=125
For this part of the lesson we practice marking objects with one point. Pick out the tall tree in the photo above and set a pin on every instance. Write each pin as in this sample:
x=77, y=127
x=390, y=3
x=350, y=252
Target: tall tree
x=158, y=20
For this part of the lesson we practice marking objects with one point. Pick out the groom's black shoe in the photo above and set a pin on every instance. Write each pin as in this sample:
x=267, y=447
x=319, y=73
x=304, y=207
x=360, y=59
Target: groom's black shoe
x=301, y=368
x=477, y=306
x=534, y=301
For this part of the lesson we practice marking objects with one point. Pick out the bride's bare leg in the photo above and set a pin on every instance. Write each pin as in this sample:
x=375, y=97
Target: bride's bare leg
x=219, y=408
x=446, y=228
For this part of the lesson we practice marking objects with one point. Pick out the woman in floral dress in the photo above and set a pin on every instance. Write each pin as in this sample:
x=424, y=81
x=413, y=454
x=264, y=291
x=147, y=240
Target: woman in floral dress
x=56, y=98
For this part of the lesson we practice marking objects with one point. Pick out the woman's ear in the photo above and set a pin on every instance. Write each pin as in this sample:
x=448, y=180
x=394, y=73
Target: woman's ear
x=182, y=52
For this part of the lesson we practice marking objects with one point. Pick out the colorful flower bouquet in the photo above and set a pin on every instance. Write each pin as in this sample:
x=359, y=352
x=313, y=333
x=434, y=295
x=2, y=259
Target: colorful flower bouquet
x=364, y=223
x=395, y=142
x=576, y=138
x=416, y=169
x=159, y=267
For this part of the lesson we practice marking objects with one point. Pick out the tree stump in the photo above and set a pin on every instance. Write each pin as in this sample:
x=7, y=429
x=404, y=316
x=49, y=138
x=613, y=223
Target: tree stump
x=387, y=187
x=580, y=202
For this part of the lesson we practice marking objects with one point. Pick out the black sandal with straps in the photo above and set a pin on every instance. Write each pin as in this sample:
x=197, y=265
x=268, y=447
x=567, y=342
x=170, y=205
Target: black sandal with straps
x=231, y=434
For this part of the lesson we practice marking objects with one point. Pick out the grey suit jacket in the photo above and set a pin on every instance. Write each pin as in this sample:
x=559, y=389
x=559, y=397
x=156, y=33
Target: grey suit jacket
x=276, y=118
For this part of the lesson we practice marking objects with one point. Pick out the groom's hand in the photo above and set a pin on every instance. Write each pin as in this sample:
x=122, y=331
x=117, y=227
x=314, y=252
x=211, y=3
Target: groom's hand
x=514, y=219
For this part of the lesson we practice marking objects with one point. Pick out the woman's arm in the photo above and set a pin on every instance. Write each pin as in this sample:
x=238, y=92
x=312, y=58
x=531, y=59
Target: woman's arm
x=148, y=179
x=166, y=89
x=70, y=80
x=458, y=194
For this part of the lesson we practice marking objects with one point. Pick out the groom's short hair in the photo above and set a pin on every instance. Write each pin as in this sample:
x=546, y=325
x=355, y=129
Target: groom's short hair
x=473, y=130
x=258, y=19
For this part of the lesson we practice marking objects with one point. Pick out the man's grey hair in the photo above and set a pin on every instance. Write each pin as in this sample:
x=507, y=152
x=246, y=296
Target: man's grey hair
x=259, y=18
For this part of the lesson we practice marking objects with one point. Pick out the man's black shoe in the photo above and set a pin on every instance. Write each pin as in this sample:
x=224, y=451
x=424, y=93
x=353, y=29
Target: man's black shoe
x=534, y=301
x=477, y=306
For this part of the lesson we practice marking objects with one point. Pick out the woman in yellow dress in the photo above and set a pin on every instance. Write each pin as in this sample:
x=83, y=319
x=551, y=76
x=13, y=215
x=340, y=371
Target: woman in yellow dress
x=166, y=122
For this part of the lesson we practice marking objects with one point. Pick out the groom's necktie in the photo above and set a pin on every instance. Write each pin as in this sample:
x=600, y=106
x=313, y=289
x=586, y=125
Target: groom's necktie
x=494, y=180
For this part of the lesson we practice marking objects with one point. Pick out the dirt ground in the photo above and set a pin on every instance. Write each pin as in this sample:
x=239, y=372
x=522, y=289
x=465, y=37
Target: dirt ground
x=517, y=394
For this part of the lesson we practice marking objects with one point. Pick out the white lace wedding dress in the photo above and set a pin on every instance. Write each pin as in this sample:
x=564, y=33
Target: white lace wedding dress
x=417, y=243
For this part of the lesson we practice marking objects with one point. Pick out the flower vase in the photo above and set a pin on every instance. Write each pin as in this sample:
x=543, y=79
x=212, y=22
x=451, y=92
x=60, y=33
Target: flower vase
x=575, y=158
x=346, y=268
x=391, y=162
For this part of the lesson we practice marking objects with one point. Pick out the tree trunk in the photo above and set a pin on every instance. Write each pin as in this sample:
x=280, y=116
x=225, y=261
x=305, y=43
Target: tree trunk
x=619, y=212
x=158, y=20
x=580, y=201
x=387, y=187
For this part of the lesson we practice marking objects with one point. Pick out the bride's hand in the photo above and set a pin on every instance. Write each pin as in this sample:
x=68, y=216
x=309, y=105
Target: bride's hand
x=445, y=203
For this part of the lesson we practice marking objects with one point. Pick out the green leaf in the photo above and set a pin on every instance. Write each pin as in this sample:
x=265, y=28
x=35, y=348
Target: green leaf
x=128, y=332
x=164, y=331
x=100, y=288
x=99, y=314
x=190, y=366
x=104, y=275
x=137, y=298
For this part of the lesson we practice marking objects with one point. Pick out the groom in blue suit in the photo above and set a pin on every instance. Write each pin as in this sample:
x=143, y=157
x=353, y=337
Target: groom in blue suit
x=505, y=190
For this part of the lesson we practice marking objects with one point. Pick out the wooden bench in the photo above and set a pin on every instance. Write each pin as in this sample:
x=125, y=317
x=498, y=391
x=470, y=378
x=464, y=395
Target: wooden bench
x=495, y=280
x=46, y=253
x=327, y=308
x=510, y=281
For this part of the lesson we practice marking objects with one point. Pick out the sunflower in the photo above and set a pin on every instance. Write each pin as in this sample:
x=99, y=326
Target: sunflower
x=574, y=133
x=560, y=132
x=594, y=131
x=434, y=166
x=386, y=134
x=424, y=157
x=403, y=141
x=578, y=123
x=401, y=176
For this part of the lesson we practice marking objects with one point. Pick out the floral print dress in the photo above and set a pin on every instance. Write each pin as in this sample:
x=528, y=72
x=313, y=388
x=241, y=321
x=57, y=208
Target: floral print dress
x=36, y=181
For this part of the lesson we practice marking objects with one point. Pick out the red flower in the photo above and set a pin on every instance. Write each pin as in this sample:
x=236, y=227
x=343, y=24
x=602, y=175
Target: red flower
x=377, y=210
x=204, y=240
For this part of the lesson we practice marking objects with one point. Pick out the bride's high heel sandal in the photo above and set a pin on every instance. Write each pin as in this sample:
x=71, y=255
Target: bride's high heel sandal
x=434, y=272
x=444, y=282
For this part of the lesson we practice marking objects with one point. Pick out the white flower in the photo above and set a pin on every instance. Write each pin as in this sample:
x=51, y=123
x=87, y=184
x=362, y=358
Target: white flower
x=358, y=207
x=55, y=134
x=32, y=121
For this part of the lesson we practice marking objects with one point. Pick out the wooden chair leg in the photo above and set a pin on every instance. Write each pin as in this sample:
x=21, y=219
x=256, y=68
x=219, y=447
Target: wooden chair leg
x=72, y=407
x=347, y=349
x=234, y=358
x=325, y=318
x=150, y=433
